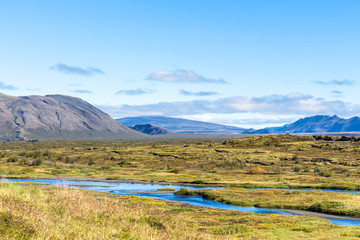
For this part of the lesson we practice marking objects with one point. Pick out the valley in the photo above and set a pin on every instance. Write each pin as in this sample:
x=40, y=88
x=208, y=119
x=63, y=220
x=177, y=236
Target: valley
x=179, y=120
x=274, y=161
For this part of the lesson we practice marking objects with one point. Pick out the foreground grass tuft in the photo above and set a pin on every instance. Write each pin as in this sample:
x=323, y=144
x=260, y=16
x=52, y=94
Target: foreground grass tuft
x=61, y=213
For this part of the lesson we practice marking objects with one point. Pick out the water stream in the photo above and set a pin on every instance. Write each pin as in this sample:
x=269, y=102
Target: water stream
x=123, y=188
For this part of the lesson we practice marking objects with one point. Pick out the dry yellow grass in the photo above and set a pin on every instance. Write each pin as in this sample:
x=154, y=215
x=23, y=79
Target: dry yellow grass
x=57, y=213
x=30, y=212
x=61, y=213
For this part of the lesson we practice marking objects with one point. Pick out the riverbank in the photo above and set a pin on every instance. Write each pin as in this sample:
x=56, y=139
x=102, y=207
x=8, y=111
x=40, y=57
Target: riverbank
x=116, y=181
x=223, y=196
x=246, y=185
x=79, y=214
x=320, y=215
x=167, y=194
x=281, y=161
x=333, y=203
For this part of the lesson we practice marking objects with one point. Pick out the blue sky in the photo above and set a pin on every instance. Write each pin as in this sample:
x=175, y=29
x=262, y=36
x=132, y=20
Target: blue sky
x=245, y=63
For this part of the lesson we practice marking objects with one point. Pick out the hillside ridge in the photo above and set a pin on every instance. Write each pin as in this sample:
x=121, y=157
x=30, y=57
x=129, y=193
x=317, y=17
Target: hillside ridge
x=56, y=117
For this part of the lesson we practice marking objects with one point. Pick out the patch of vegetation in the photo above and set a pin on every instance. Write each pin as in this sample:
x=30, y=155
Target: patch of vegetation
x=166, y=189
x=78, y=214
x=345, y=204
x=278, y=161
x=266, y=161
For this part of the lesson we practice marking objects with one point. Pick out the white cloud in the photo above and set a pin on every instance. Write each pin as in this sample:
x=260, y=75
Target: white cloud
x=133, y=92
x=82, y=91
x=337, y=93
x=7, y=87
x=181, y=75
x=336, y=82
x=197, y=94
x=87, y=72
x=245, y=120
x=293, y=103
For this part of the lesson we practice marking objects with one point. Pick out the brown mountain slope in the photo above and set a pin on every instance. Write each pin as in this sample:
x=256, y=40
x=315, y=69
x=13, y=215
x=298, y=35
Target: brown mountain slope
x=56, y=117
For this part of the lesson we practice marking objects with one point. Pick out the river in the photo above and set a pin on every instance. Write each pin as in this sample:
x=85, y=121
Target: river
x=144, y=190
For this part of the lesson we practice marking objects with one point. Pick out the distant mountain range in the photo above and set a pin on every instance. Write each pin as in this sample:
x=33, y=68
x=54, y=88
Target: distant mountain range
x=64, y=117
x=180, y=125
x=56, y=117
x=314, y=124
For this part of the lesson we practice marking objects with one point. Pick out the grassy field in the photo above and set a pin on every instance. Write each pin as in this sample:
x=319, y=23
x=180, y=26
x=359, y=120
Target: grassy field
x=32, y=212
x=282, y=161
x=344, y=204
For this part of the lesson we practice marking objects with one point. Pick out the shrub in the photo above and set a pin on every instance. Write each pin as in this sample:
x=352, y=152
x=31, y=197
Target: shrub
x=346, y=172
x=176, y=171
x=123, y=163
x=59, y=171
x=184, y=209
x=185, y=192
x=153, y=222
x=166, y=189
x=35, y=154
x=326, y=206
x=37, y=162
x=303, y=229
x=297, y=169
x=12, y=159
x=256, y=170
x=47, y=153
x=326, y=173
x=25, y=162
x=91, y=162
x=277, y=170
x=199, y=181
x=233, y=229
x=22, y=154
x=105, y=167
x=69, y=160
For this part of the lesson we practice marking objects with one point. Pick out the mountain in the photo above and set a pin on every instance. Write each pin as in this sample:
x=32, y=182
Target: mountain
x=180, y=125
x=315, y=124
x=56, y=117
x=150, y=129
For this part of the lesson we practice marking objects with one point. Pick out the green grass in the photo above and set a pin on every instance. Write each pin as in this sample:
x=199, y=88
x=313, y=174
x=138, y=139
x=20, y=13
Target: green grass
x=344, y=204
x=271, y=161
x=281, y=161
x=32, y=212
x=166, y=189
